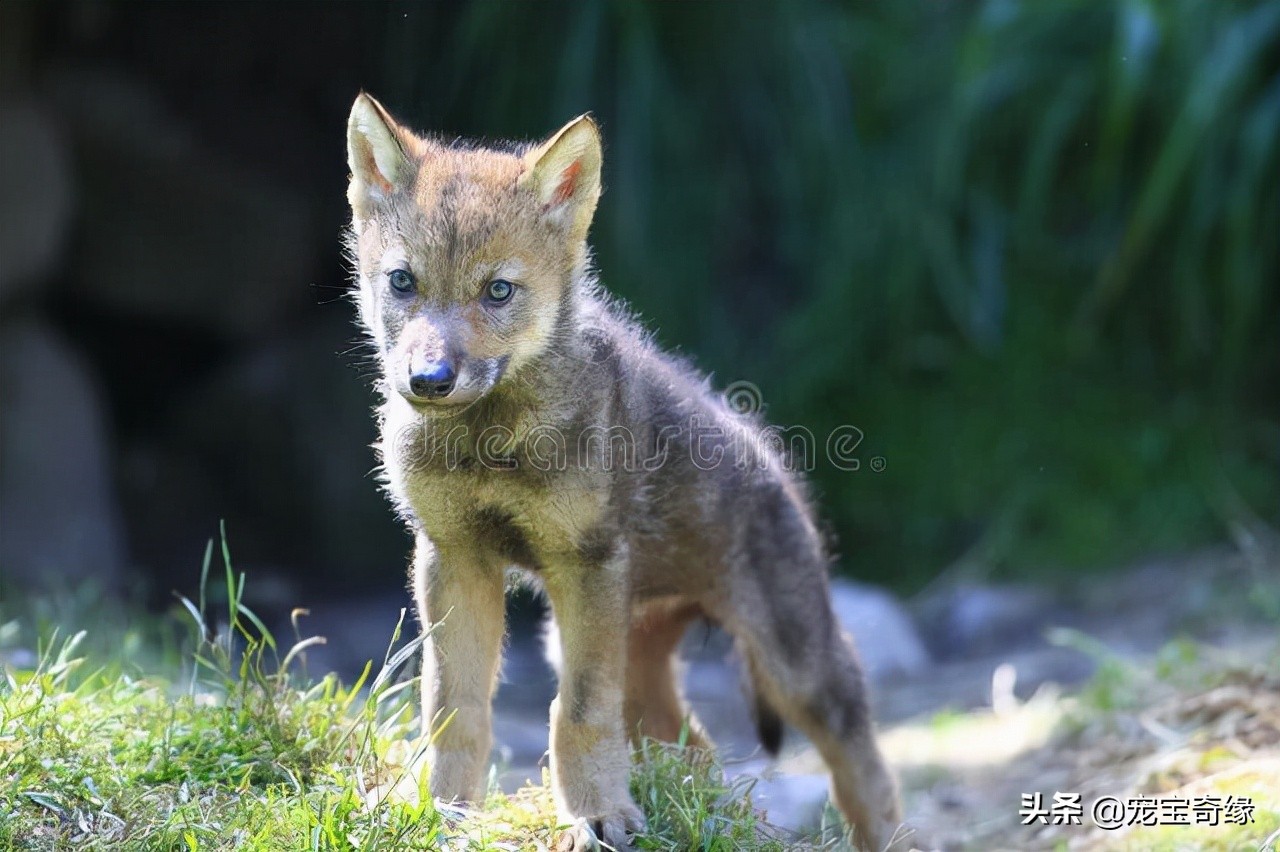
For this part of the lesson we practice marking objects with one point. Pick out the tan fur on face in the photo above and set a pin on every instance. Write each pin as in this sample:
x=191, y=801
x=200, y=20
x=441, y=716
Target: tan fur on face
x=459, y=218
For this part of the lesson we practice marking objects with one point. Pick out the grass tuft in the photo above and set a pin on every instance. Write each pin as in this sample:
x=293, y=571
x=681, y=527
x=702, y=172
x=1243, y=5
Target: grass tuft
x=228, y=749
x=106, y=744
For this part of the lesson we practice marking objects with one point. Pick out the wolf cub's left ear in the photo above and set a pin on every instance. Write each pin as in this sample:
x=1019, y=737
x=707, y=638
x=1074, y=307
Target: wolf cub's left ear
x=375, y=154
x=565, y=173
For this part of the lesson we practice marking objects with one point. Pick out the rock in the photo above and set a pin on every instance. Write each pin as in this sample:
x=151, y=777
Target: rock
x=172, y=513
x=171, y=232
x=59, y=522
x=281, y=436
x=707, y=680
x=971, y=619
x=35, y=197
x=791, y=802
x=888, y=643
x=357, y=630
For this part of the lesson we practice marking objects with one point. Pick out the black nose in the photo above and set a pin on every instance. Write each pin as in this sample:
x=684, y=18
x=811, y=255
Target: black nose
x=433, y=381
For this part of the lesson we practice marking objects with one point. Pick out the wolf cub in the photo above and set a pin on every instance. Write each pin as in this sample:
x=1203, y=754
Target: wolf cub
x=527, y=421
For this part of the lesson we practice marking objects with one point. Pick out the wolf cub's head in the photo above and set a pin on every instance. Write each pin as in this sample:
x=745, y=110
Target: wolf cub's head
x=466, y=256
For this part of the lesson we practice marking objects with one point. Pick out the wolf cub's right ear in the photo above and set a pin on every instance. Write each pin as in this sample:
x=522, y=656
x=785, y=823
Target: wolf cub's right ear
x=565, y=173
x=375, y=154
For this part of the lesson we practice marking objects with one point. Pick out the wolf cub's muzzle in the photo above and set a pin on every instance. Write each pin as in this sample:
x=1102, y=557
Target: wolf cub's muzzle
x=432, y=380
x=436, y=380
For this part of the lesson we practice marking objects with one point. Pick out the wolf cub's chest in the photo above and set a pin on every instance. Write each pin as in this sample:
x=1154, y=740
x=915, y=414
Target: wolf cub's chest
x=530, y=517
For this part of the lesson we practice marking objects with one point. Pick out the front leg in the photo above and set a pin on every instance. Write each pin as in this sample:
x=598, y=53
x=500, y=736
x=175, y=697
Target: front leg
x=590, y=760
x=459, y=592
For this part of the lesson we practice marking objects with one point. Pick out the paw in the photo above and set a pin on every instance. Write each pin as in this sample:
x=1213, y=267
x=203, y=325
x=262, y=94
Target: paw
x=611, y=832
x=456, y=775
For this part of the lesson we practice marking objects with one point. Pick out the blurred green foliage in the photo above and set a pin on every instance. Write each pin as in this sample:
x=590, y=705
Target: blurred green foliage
x=1030, y=249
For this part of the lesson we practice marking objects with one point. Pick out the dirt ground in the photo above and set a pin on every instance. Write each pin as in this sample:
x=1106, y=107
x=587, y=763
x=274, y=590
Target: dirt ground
x=1178, y=722
x=966, y=778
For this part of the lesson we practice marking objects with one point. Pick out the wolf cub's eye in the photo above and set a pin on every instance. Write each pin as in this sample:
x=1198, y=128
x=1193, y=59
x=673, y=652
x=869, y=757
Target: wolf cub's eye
x=500, y=291
x=401, y=280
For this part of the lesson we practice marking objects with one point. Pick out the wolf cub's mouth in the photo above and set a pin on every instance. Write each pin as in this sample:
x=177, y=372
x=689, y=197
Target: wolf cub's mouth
x=449, y=406
x=443, y=408
x=475, y=382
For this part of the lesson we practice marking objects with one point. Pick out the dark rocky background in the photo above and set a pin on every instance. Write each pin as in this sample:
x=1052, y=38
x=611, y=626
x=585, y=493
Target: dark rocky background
x=176, y=347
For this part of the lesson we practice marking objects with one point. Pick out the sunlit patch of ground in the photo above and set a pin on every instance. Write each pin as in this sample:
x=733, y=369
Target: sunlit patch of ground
x=1193, y=731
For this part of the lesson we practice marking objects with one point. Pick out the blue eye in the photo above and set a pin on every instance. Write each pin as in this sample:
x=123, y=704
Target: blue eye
x=500, y=291
x=401, y=280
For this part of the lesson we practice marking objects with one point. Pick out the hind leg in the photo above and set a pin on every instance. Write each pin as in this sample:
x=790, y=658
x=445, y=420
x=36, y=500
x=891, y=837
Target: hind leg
x=805, y=669
x=652, y=705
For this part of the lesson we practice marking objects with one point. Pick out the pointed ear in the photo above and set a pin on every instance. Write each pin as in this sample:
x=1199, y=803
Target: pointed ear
x=564, y=171
x=375, y=154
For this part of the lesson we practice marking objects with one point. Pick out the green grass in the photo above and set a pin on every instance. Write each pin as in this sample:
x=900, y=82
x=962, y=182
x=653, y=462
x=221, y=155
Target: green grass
x=131, y=739
x=225, y=750
x=106, y=760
